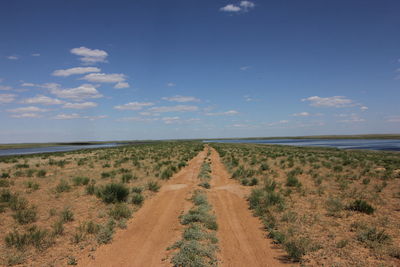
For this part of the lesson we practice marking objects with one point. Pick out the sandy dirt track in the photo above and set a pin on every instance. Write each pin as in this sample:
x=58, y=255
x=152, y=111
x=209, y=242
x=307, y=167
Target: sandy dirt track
x=153, y=228
x=156, y=226
x=242, y=241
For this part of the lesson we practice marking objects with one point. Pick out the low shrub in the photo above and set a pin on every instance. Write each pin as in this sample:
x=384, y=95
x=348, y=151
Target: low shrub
x=361, y=206
x=66, y=215
x=153, y=186
x=63, y=186
x=25, y=216
x=137, y=199
x=80, y=180
x=113, y=193
x=120, y=211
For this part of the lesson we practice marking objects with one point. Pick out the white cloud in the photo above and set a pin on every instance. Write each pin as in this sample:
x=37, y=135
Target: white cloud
x=134, y=106
x=138, y=119
x=29, y=109
x=240, y=125
x=229, y=112
x=35, y=55
x=351, y=118
x=278, y=123
x=363, y=108
x=79, y=93
x=247, y=4
x=28, y=84
x=26, y=115
x=7, y=98
x=244, y=68
x=182, y=99
x=67, y=116
x=90, y=56
x=230, y=8
x=146, y=113
x=44, y=100
x=74, y=71
x=5, y=88
x=301, y=114
x=83, y=105
x=13, y=57
x=333, y=101
x=393, y=119
x=178, y=108
x=104, y=78
x=121, y=85
x=171, y=84
x=78, y=116
x=169, y=120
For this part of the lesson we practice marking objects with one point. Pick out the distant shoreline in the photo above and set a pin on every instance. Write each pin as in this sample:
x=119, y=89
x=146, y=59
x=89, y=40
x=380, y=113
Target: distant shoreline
x=77, y=143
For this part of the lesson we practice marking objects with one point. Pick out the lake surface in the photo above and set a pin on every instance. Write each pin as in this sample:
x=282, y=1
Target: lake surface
x=50, y=149
x=371, y=144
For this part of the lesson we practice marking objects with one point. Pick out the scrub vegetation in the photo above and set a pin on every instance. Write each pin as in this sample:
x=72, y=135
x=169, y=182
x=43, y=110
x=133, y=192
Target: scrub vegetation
x=325, y=207
x=55, y=205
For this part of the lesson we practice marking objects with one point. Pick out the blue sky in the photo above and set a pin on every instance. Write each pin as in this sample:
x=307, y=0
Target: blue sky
x=118, y=70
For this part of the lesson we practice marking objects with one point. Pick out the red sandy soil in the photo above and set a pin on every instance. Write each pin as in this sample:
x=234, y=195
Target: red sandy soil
x=156, y=225
x=242, y=241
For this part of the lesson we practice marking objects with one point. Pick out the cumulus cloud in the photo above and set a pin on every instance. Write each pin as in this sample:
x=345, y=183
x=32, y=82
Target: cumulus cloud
x=393, y=119
x=44, y=100
x=29, y=109
x=104, y=78
x=247, y=4
x=363, y=108
x=229, y=112
x=243, y=6
x=121, y=85
x=138, y=119
x=83, y=105
x=178, y=108
x=35, y=55
x=176, y=119
x=26, y=115
x=5, y=88
x=90, y=56
x=182, y=99
x=281, y=122
x=351, y=118
x=244, y=68
x=7, y=98
x=79, y=93
x=134, y=106
x=13, y=57
x=301, y=114
x=28, y=84
x=78, y=116
x=74, y=71
x=230, y=8
x=333, y=101
x=171, y=84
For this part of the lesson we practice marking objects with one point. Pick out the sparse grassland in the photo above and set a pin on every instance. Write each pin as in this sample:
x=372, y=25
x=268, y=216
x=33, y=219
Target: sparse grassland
x=325, y=207
x=55, y=205
x=198, y=245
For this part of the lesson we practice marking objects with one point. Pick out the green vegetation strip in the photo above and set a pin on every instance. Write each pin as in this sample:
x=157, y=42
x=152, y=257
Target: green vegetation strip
x=198, y=245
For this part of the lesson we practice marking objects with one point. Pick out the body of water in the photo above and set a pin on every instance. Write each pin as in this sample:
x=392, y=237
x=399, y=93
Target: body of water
x=371, y=144
x=50, y=149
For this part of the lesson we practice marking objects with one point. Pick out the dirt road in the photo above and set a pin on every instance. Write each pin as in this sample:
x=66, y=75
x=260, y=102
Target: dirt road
x=153, y=228
x=242, y=241
x=156, y=225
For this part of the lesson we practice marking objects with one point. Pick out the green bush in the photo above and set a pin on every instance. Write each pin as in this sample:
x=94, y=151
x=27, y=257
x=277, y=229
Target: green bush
x=80, y=180
x=361, y=206
x=106, y=232
x=25, y=216
x=113, y=193
x=137, y=199
x=41, y=173
x=63, y=186
x=292, y=181
x=120, y=211
x=297, y=248
x=34, y=236
x=66, y=215
x=153, y=186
